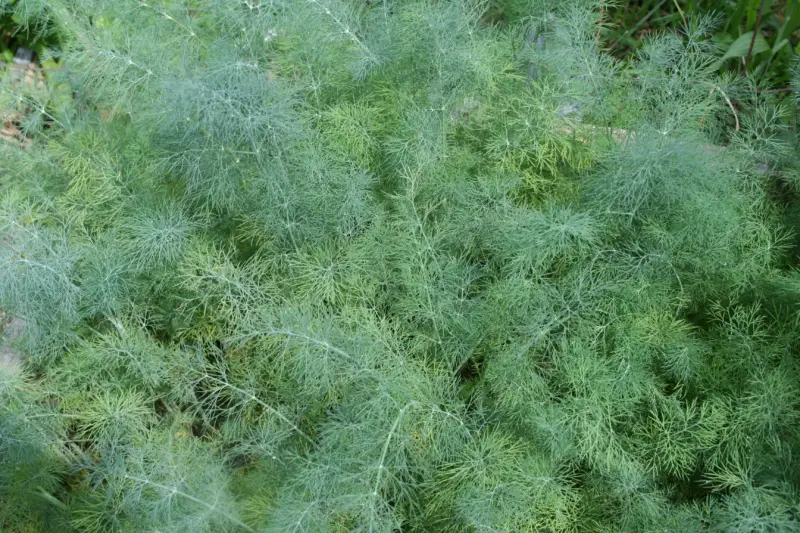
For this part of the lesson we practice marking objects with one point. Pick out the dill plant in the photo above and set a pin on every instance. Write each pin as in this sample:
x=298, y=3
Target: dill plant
x=327, y=265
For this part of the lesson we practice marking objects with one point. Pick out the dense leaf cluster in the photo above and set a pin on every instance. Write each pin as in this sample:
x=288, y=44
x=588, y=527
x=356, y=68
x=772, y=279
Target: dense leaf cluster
x=335, y=265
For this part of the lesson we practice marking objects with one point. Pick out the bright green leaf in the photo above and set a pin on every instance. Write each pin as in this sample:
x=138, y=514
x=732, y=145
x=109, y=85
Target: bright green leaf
x=741, y=46
x=779, y=46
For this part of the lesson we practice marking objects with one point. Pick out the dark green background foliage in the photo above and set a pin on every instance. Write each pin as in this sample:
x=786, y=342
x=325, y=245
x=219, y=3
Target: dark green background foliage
x=403, y=265
x=775, y=24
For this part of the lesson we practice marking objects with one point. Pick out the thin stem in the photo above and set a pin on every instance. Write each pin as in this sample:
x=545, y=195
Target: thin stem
x=175, y=490
x=385, y=451
x=641, y=22
x=345, y=28
x=27, y=230
x=294, y=334
x=755, y=34
x=264, y=405
x=683, y=18
x=51, y=499
x=46, y=267
x=730, y=104
x=167, y=16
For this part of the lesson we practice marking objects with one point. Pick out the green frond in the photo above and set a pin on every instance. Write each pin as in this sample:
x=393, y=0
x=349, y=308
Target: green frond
x=399, y=265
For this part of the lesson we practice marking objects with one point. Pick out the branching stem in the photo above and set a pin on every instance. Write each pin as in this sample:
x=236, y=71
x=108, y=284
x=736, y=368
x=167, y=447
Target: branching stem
x=176, y=490
x=263, y=404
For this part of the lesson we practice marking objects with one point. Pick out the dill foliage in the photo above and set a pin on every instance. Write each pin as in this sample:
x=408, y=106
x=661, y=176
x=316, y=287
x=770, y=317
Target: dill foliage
x=400, y=265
